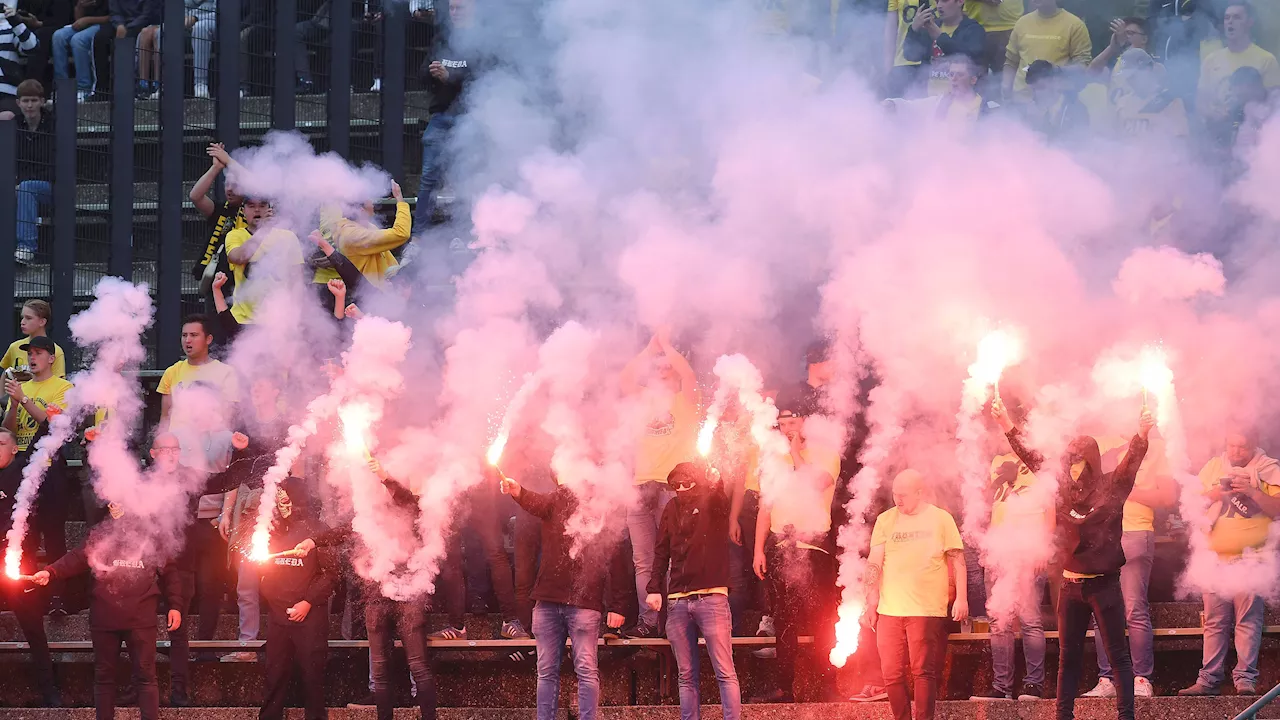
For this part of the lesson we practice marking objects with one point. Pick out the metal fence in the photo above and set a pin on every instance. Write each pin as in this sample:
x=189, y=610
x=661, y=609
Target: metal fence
x=123, y=165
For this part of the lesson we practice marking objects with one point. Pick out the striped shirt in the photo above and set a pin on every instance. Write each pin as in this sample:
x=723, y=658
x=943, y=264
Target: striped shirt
x=12, y=39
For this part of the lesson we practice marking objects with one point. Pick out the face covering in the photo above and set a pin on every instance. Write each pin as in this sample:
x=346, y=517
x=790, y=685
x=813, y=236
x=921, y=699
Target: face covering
x=1077, y=469
x=283, y=504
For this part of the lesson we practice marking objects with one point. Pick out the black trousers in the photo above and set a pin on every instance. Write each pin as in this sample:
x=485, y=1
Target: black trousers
x=802, y=585
x=483, y=520
x=28, y=601
x=528, y=549
x=141, y=644
x=1078, y=601
x=410, y=620
x=304, y=646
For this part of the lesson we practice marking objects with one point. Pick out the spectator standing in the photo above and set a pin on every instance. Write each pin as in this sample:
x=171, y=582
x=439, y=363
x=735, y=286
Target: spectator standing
x=194, y=388
x=483, y=519
x=571, y=593
x=76, y=41
x=260, y=250
x=44, y=18
x=959, y=107
x=1243, y=485
x=1048, y=33
x=997, y=18
x=902, y=76
x=367, y=246
x=693, y=543
x=913, y=546
x=1126, y=34
x=223, y=217
x=446, y=73
x=1145, y=108
x=938, y=35
x=669, y=390
x=1055, y=110
x=34, y=323
x=1185, y=32
x=1213, y=95
x=35, y=166
x=15, y=38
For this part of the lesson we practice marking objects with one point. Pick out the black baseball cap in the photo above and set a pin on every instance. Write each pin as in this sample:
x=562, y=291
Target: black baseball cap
x=40, y=342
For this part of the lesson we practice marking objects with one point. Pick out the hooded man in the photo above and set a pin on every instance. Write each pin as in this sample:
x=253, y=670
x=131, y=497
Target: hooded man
x=693, y=542
x=1090, y=513
x=1243, y=485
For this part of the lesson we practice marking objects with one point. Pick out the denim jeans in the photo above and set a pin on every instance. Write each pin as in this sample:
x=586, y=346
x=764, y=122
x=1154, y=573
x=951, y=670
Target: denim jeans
x=248, y=599
x=78, y=44
x=710, y=616
x=1135, y=577
x=1220, y=614
x=1100, y=598
x=909, y=651
x=434, y=140
x=976, y=581
x=31, y=195
x=642, y=526
x=1033, y=645
x=747, y=592
x=410, y=620
x=552, y=624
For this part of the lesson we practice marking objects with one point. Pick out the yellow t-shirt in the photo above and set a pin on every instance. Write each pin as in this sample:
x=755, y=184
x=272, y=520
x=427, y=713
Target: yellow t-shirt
x=1004, y=506
x=285, y=250
x=1240, y=524
x=669, y=439
x=1151, y=118
x=196, y=391
x=906, y=11
x=1061, y=39
x=13, y=357
x=995, y=18
x=807, y=506
x=1137, y=517
x=1215, y=76
x=915, y=582
x=45, y=393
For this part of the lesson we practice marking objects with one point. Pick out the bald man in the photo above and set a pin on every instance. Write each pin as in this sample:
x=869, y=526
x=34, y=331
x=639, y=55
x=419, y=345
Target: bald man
x=907, y=592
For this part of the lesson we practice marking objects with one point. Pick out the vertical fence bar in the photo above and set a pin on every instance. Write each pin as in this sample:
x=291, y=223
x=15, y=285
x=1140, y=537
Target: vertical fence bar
x=395, y=23
x=8, y=219
x=284, y=94
x=120, y=262
x=227, y=123
x=63, y=258
x=340, y=45
x=169, y=265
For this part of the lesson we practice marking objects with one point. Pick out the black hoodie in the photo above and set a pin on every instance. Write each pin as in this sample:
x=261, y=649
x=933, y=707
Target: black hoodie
x=289, y=580
x=126, y=587
x=444, y=94
x=693, y=538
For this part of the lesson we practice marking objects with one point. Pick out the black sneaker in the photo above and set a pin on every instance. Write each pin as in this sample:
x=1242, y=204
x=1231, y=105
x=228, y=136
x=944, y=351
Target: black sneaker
x=642, y=631
x=53, y=698
x=992, y=695
x=363, y=703
x=179, y=700
x=1031, y=691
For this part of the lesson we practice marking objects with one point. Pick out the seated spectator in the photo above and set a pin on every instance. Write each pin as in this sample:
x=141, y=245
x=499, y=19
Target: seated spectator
x=76, y=40
x=247, y=247
x=367, y=246
x=34, y=323
x=936, y=36
x=1048, y=34
x=15, y=37
x=139, y=19
x=1213, y=94
x=960, y=106
x=1055, y=110
x=1144, y=107
x=44, y=18
x=256, y=40
x=35, y=166
x=1243, y=485
x=997, y=18
x=314, y=32
x=201, y=23
x=1126, y=34
x=446, y=73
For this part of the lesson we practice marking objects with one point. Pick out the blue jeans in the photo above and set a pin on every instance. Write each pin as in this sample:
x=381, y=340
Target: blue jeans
x=67, y=40
x=642, y=526
x=1135, y=577
x=552, y=624
x=31, y=195
x=434, y=140
x=1033, y=646
x=1219, y=613
x=708, y=614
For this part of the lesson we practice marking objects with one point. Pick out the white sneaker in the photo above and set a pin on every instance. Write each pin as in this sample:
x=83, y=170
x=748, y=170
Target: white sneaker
x=1104, y=689
x=766, y=627
x=377, y=85
x=83, y=95
x=24, y=256
x=1142, y=687
x=202, y=91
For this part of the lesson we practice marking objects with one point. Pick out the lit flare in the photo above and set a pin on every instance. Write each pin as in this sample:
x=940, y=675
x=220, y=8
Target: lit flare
x=706, y=435
x=495, y=449
x=847, y=631
x=997, y=350
x=1154, y=372
x=13, y=563
x=357, y=418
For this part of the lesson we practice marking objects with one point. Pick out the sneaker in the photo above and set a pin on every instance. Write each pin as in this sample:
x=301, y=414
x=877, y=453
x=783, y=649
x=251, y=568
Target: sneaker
x=1142, y=688
x=202, y=92
x=376, y=86
x=642, y=630
x=766, y=627
x=1199, y=690
x=765, y=653
x=23, y=256
x=520, y=656
x=513, y=630
x=993, y=695
x=1104, y=689
x=1246, y=689
x=52, y=698
x=449, y=633
x=240, y=657
x=869, y=693
x=305, y=86
x=365, y=703
x=1031, y=691
x=83, y=96
x=179, y=700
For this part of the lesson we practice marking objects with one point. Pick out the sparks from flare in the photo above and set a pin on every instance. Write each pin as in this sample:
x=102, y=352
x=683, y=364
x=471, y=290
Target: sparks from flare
x=997, y=350
x=707, y=434
x=495, y=449
x=1154, y=372
x=357, y=418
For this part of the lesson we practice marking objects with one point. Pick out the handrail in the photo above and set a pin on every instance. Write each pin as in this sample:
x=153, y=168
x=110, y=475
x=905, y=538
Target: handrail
x=1251, y=712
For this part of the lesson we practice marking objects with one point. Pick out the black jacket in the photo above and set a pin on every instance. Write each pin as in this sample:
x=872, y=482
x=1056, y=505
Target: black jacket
x=135, y=14
x=403, y=499
x=36, y=148
x=693, y=538
x=445, y=94
x=1091, y=524
x=598, y=579
x=126, y=587
x=968, y=39
x=249, y=465
x=289, y=580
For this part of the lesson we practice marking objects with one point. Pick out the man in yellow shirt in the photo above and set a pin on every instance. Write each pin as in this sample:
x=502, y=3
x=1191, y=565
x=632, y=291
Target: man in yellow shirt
x=1050, y=34
x=1243, y=484
x=912, y=547
x=661, y=378
x=903, y=78
x=359, y=240
x=197, y=400
x=29, y=401
x=997, y=18
x=262, y=251
x=1144, y=108
x=1213, y=93
x=34, y=323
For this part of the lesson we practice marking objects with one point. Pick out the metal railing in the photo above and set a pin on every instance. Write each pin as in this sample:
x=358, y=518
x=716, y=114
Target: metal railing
x=1251, y=712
